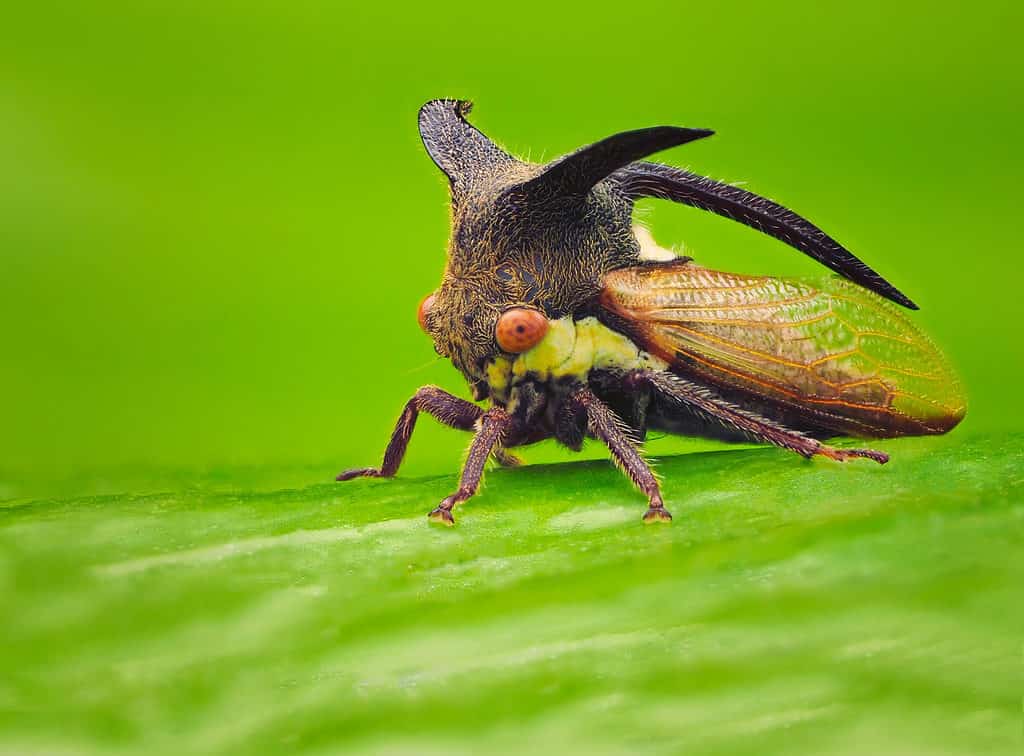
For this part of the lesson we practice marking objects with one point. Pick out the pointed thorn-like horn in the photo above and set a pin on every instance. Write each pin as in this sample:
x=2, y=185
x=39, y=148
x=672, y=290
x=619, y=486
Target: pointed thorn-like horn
x=666, y=182
x=455, y=145
x=576, y=173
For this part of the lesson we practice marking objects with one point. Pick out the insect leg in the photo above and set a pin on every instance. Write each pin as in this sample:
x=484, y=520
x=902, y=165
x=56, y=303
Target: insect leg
x=697, y=398
x=448, y=409
x=505, y=458
x=606, y=426
x=493, y=425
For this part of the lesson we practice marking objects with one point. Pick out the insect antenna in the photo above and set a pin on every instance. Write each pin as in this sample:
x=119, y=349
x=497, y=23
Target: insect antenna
x=429, y=364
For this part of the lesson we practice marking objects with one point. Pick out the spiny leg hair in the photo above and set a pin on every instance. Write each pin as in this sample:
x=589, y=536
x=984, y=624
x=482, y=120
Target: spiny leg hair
x=606, y=426
x=712, y=407
x=505, y=458
x=493, y=425
x=446, y=408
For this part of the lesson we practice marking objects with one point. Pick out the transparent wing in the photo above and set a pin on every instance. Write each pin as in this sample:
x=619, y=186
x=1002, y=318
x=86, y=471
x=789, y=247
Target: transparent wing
x=830, y=349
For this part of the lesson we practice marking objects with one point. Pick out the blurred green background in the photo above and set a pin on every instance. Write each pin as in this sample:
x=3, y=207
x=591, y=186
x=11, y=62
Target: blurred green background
x=218, y=218
x=216, y=222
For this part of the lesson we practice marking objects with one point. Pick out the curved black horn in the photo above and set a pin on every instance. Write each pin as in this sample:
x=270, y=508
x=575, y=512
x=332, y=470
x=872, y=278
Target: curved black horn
x=665, y=182
x=576, y=174
x=456, y=146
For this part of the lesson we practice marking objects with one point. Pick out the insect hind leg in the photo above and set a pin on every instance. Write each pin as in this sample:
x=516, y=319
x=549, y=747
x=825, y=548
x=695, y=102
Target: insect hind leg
x=697, y=398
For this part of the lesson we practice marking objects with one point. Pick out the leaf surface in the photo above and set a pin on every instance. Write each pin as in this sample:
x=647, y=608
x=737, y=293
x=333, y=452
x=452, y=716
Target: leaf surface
x=804, y=607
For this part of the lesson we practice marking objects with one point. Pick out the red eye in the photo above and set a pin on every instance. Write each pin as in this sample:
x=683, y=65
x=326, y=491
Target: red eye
x=424, y=310
x=520, y=329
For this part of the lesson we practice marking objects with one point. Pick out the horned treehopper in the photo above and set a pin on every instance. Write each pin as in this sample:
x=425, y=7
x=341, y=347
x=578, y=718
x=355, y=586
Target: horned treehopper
x=570, y=323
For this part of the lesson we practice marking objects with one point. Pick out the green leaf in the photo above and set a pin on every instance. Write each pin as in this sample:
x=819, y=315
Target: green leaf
x=793, y=606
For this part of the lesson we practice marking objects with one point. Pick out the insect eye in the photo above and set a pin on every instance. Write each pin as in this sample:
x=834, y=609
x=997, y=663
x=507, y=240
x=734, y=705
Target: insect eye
x=520, y=329
x=424, y=310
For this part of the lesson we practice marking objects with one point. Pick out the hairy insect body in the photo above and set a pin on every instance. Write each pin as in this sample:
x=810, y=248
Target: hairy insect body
x=495, y=261
x=574, y=324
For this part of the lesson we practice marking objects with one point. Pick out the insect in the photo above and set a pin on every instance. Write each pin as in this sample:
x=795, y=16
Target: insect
x=570, y=323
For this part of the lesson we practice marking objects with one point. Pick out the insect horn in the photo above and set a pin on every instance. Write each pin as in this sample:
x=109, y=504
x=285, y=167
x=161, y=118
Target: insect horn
x=575, y=174
x=665, y=182
x=458, y=148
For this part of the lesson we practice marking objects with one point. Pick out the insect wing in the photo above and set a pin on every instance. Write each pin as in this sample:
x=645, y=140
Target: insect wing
x=828, y=349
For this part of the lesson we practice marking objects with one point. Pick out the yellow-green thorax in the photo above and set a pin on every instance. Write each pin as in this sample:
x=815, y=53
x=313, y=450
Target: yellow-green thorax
x=571, y=349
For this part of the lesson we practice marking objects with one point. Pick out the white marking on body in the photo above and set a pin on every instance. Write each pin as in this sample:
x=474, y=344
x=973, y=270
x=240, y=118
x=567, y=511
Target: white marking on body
x=650, y=250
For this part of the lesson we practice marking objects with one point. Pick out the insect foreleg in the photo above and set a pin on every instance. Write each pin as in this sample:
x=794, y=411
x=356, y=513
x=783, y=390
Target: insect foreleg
x=689, y=395
x=494, y=424
x=604, y=425
x=448, y=409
